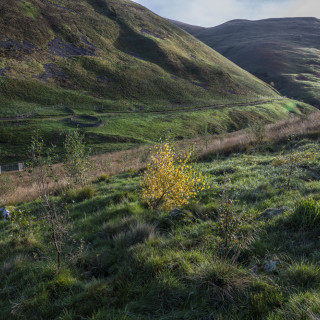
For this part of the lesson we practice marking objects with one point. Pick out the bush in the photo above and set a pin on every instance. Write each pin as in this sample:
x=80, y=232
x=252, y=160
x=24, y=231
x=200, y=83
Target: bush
x=77, y=160
x=104, y=178
x=170, y=180
x=79, y=194
x=306, y=215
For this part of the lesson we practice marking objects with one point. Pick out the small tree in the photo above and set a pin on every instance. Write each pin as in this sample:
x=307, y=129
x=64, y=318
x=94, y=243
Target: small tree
x=290, y=164
x=77, y=160
x=170, y=180
x=257, y=130
x=229, y=220
x=55, y=215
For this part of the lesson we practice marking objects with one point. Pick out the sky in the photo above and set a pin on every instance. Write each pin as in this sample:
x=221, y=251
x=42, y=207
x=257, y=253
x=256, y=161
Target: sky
x=209, y=13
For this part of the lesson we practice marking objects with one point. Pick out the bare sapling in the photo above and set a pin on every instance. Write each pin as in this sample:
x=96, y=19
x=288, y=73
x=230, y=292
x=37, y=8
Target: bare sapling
x=52, y=212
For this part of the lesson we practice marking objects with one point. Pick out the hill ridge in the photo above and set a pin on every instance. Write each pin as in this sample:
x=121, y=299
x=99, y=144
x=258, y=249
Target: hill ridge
x=281, y=51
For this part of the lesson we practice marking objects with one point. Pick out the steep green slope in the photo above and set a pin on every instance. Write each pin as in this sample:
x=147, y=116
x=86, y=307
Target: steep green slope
x=114, y=53
x=283, y=51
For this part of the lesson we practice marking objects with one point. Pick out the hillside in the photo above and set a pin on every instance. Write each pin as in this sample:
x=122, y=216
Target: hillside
x=112, y=54
x=283, y=51
x=187, y=27
x=125, y=261
x=110, y=67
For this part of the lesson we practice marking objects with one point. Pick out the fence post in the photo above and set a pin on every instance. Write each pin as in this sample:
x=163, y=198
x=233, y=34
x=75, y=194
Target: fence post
x=0, y=169
x=20, y=166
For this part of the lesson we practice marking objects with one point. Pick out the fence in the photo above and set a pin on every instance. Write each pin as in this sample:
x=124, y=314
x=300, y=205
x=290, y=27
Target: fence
x=12, y=167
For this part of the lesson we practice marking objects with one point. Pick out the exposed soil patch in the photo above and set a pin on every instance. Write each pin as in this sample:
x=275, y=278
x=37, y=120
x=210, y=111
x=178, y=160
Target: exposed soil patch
x=136, y=55
x=202, y=85
x=103, y=79
x=301, y=77
x=150, y=33
x=3, y=71
x=58, y=47
x=53, y=5
x=14, y=49
x=86, y=121
x=51, y=71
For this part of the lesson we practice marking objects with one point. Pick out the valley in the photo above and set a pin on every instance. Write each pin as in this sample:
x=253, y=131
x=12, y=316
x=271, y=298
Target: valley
x=167, y=171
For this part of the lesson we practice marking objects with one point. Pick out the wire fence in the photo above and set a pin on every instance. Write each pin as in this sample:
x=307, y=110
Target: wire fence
x=12, y=167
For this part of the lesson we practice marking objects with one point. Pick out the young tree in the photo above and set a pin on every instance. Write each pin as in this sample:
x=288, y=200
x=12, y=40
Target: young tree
x=55, y=215
x=77, y=158
x=257, y=130
x=229, y=220
x=170, y=180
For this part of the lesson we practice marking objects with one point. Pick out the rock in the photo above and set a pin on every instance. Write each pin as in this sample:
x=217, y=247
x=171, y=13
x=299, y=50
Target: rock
x=88, y=275
x=5, y=213
x=274, y=212
x=254, y=269
x=270, y=266
x=176, y=213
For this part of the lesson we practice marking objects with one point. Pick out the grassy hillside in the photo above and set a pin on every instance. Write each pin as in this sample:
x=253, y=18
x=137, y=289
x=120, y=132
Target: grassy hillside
x=114, y=54
x=282, y=51
x=127, y=130
x=124, y=261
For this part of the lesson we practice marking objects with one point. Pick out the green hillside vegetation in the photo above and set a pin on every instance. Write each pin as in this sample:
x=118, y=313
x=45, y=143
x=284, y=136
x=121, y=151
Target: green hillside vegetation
x=284, y=52
x=126, y=130
x=118, y=62
x=125, y=261
x=114, y=54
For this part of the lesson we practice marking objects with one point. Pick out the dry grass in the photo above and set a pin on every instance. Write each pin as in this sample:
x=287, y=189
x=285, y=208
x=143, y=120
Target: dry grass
x=114, y=163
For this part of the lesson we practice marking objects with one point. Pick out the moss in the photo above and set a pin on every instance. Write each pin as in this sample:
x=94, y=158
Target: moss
x=29, y=9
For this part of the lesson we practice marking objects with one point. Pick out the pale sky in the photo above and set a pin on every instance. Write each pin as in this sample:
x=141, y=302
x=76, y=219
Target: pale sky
x=209, y=13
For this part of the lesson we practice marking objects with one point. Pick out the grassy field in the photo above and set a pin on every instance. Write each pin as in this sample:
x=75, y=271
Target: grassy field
x=125, y=261
x=282, y=51
x=131, y=129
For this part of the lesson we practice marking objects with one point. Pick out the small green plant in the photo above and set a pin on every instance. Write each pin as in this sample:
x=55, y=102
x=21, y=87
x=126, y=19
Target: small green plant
x=22, y=222
x=77, y=158
x=290, y=164
x=229, y=219
x=104, y=178
x=306, y=215
x=79, y=195
x=257, y=129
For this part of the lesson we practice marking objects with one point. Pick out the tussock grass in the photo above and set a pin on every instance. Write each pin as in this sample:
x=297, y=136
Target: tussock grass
x=124, y=260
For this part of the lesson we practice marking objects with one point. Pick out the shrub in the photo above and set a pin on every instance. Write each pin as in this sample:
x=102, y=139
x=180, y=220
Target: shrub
x=229, y=220
x=80, y=194
x=257, y=130
x=104, y=178
x=77, y=160
x=170, y=180
x=306, y=215
x=290, y=164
